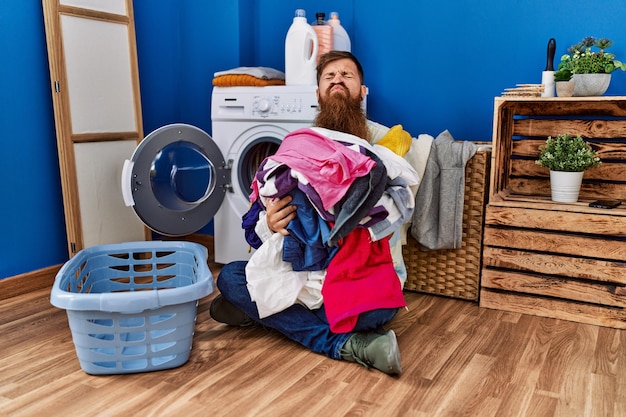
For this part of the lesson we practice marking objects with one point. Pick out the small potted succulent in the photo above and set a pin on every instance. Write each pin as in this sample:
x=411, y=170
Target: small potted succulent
x=567, y=157
x=590, y=68
x=564, y=84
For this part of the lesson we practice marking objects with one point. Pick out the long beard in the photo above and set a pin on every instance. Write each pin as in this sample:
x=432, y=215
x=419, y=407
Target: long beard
x=342, y=113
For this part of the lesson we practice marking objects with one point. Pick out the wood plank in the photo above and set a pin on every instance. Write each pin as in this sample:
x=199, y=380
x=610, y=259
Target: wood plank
x=459, y=359
x=565, y=289
x=28, y=282
x=566, y=244
x=501, y=150
x=279, y=375
x=529, y=148
x=558, y=309
x=588, y=190
x=587, y=128
x=564, y=106
x=613, y=223
x=603, y=173
x=536, y=202
x=570, y=344
x=558, y=265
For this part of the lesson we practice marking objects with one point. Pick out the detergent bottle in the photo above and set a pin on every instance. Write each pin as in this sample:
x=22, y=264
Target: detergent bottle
x=301, y=48
x=324, y=34
x=341, y=40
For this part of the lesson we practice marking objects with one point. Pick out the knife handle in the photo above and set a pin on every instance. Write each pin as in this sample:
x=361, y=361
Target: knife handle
x=551, y=52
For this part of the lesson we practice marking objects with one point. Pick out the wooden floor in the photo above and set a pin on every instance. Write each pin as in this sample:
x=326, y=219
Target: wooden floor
x=459, y=360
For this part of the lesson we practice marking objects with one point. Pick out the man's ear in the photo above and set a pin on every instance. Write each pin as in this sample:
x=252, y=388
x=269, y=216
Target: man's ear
x=317, y=94
x=363, y=92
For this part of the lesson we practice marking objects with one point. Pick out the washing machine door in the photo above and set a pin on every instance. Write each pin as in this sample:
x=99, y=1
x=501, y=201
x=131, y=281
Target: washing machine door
x=175, y=180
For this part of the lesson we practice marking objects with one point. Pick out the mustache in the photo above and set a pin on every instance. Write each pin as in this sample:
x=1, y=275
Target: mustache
x=330, y=87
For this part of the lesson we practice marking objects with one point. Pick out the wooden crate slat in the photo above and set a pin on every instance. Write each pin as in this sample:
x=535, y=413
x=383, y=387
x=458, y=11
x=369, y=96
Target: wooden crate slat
x=563, y=288
x=610, y=172
x=552, y=264
x=572, y=106
x=613, y=223
x=588, y=191
x=554, y=308
x=543, y=241
x=596, y=128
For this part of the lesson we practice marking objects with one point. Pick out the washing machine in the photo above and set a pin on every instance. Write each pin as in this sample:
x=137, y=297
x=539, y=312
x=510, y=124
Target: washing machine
x=179, y=178
x=248, y=124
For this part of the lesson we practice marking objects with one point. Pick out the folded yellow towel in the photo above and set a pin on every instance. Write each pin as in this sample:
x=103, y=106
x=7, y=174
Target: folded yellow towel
x=397, y=140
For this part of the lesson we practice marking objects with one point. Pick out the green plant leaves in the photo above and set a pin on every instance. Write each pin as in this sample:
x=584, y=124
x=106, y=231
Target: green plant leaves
x=567, y=153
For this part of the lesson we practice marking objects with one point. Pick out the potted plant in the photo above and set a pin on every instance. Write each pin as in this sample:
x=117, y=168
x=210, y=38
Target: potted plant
x=564, y=84
x=582, y=61
x=567, y=157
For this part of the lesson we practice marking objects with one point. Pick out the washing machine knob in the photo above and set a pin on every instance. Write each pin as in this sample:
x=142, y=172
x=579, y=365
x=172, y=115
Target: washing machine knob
x=264, y=105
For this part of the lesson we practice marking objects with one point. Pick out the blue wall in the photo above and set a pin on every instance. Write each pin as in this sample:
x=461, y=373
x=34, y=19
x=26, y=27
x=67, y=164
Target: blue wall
x=31, y=220
x=429, y=66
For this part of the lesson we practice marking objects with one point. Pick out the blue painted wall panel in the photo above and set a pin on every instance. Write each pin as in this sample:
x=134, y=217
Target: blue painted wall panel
x=429, y=66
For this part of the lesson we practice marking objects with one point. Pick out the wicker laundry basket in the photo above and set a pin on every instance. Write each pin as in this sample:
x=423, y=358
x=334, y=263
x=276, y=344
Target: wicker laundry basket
x=455, y=272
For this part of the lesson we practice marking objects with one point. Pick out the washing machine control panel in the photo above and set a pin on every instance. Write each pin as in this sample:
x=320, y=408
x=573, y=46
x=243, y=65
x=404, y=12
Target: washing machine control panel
x=284, y=106
x=273, y=103
x=264, y=105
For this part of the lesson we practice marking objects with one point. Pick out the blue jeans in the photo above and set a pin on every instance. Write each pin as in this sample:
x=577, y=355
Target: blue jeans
x=307, y=327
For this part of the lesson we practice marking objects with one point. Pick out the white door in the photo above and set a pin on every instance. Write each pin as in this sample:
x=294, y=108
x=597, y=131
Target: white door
x=95, y=88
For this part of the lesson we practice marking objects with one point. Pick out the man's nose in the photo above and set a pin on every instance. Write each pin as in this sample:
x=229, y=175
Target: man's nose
x=337, y=78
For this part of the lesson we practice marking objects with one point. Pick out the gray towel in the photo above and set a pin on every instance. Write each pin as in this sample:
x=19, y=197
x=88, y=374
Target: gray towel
x=437, y=221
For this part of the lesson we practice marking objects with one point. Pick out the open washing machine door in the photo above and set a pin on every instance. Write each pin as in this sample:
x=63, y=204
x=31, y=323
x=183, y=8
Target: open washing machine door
x=175, y=180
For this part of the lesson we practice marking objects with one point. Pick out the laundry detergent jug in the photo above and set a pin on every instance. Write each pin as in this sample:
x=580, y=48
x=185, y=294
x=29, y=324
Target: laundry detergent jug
x=301, y=48
x=341, y=40
x=324, y=34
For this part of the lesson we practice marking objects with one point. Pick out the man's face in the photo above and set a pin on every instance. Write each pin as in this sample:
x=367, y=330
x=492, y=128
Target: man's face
x=340, y=77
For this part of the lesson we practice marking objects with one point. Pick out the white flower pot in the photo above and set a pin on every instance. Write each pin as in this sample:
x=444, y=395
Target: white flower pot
x=565, y=186
x=565, y=88
x=588, y=85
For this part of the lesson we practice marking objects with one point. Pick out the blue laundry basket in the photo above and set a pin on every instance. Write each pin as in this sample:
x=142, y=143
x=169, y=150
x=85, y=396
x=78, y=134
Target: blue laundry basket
x=132, y=306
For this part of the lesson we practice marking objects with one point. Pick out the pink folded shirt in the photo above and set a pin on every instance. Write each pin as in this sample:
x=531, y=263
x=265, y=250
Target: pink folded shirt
x=329, y=166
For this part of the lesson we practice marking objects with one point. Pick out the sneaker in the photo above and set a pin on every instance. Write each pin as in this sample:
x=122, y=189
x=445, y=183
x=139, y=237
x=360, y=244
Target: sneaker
x=226, y=312
x=374, y=349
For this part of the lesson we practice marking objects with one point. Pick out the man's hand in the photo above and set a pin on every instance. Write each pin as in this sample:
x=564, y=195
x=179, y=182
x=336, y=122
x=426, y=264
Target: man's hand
x=279, y=214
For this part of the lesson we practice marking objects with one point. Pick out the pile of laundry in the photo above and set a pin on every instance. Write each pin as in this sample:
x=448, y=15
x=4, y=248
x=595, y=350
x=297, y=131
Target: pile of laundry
x=351, y=196
x=356, y=202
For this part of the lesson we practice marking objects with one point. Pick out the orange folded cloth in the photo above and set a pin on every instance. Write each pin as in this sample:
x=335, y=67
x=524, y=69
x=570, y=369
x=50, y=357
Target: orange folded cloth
x=235, y=80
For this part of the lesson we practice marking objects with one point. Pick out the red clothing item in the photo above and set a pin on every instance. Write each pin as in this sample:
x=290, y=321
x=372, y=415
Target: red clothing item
x=360, y=278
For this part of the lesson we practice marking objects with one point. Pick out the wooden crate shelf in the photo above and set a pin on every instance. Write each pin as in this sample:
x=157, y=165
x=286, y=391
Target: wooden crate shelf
x=560, y=260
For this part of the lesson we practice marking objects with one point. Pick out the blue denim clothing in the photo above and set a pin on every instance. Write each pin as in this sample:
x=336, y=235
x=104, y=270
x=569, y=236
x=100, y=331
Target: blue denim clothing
x=305, y=245
x=307, y=327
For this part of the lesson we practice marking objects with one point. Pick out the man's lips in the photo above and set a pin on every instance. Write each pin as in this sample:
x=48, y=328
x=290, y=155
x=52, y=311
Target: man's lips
x=337, y=87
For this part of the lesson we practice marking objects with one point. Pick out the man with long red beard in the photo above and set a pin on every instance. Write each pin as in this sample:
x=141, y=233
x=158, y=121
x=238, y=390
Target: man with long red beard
x=340, y=94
